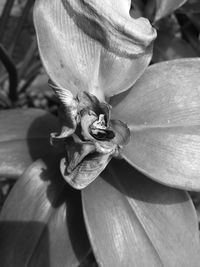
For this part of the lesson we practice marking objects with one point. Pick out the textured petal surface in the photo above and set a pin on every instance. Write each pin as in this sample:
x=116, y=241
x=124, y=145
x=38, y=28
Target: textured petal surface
x=41, y=223
x=133, y=221
x=162, y=112
x=165, y=7
x=24, y=137
x=92, y=46
x=86, y=171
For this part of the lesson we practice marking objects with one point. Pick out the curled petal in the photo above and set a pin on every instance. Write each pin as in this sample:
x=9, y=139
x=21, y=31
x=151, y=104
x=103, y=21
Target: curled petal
x=122, y=132
x=92, y=45
x=85, y=172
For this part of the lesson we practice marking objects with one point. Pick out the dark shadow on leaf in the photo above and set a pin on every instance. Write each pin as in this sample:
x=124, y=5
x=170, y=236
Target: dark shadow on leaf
x=24, y=244
x=136, y=185
x=38, y=136
x=58, y=192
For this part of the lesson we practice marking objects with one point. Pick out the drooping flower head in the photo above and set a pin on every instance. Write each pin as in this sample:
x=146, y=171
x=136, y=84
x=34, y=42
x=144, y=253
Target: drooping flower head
x=91, y=50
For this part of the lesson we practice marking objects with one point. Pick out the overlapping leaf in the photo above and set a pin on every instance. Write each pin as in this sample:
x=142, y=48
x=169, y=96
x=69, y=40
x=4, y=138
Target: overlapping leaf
x=162, y=111
x=133, y=221
x=41, y=223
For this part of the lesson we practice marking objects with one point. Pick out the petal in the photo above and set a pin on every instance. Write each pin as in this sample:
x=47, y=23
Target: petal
x=24, y=137
x=162, y=112
x=133, y=221
x=86, y=171
x=122, y=132
x=94, y=46
x=41, y=222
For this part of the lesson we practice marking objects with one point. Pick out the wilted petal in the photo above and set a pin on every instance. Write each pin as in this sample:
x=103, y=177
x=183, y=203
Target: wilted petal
x=41, y=223
x=133, y=221
x=86, y=171
x=92, y=46
x=162, y=111
x=122, y=132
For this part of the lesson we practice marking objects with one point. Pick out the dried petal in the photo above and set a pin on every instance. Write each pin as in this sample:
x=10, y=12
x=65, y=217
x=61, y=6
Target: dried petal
x=92, y=45
x=85, y=172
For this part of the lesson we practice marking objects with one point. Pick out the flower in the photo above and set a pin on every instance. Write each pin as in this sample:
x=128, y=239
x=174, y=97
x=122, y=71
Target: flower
x=130, y=219
x=91, y=139
x=116, y=44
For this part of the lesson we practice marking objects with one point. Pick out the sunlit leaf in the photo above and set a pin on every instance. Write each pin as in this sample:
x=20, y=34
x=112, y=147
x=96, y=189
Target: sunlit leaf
x=94, y=46
x=133, y=221
x=165, y=7
x=41, y=223
x=162, y=112
x=24, y=137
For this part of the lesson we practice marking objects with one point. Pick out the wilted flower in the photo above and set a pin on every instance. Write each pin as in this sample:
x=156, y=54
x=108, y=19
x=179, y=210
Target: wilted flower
x=94, y=52
x=99, y=52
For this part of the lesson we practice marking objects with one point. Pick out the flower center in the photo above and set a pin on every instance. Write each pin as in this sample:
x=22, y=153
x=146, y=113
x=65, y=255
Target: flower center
x=91, y=139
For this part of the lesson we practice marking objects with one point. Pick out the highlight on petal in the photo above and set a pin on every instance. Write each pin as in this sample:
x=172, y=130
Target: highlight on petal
x=162, y=112
x=24, y=137
x=41, y=223
x=133, y=221
x=92, y=46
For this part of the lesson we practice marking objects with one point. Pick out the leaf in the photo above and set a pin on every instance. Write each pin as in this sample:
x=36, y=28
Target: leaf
x=191, y=7
x=169, y=47
x=41, y=222
x=162, y=112
x=24, y=137
x=133, y=221
x=93, y=46
x=165, y=7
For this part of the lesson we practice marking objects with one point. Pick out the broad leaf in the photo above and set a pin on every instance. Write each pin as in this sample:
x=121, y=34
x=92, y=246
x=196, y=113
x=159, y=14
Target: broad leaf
x=165, y=7
x=162, y=112
x=24, y=137
x=93, y=46
x=41, y=223
x=133, y=221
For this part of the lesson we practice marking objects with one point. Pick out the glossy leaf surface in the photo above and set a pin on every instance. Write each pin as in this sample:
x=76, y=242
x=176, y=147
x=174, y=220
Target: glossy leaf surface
x=133, y=221
x=165, y=7
x=24, y=137
x=162, y=112
x=93, y=46
x=41, y=223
